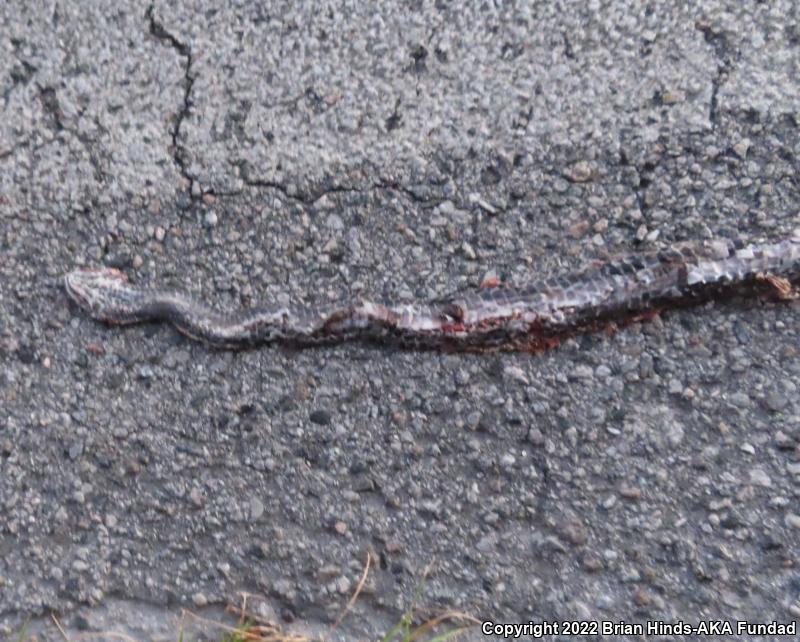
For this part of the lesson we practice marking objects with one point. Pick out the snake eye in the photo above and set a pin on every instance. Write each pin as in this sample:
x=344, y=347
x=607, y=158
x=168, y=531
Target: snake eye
x=452, y=313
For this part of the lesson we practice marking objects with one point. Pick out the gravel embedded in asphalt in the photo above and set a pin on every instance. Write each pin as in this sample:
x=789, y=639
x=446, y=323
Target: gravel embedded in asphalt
x=300, y=154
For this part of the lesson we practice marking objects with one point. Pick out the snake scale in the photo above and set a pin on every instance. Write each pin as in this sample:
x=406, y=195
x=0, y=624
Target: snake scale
x=529, y=317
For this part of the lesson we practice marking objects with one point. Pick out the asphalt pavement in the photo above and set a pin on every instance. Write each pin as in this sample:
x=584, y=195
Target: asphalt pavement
x=294, y=151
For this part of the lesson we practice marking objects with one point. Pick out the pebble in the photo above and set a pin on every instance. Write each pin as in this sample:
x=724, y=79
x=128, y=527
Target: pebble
x=508, y=460
x=517, y=374
x=211, y=218
x=197, y=496
x=343, y=585
x=256, y=508
x=776, y=401
x=321, y=417
x=760, y=478
x=742, y=147
x=792, y=520
x=581, y=372
x=199, y=599
x=334, y=222
x=535, y=436
x=630, y=492
x=674, y=433
x=579, y=172
x=642, y=597
x=740, y=400
x=577, y=230
x=602, y=371
x=159, y=233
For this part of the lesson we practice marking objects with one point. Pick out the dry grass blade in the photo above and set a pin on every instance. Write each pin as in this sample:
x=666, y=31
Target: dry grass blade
x=265, y=632
x=102, y=635
x=462, y=620
x=59, y=627
x=356, y=593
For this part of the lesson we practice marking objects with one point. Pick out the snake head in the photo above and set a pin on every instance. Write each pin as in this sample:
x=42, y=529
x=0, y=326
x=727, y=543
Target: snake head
x=103, y=292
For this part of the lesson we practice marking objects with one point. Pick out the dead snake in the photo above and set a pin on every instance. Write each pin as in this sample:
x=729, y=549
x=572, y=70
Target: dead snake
x=529, y=317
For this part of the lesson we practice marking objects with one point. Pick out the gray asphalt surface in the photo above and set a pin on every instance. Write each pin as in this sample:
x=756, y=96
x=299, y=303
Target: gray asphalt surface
x=310, y=152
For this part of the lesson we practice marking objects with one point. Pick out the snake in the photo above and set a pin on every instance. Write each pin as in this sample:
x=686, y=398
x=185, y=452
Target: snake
x=532, y=317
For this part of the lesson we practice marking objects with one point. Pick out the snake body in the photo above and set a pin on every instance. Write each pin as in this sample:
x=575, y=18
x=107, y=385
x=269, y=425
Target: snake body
x=529, y=317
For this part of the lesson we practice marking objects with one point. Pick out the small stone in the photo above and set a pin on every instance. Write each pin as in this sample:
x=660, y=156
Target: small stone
x=579, y=172
x=760, y=478
x=483, y=204
x=160, y=233
x=792, y=520
x=343, y=585
x=508, y=460
x=581, y=372
x=577, y=230
x=137, y=262
x=321, y=417
x=600, y=226
x=198, y=599
x=197, y=496
x=535, y=436
x=211, y=218
x=469, y=251
x=334, y=222
x=630, y=492
x=641, y=232
x=393, y=546
x=574, y=532
x=579, y=610
x=740, y=400
x=642, y=597
x=602, y=371
x=516, y=373
x=330, y=246
x=674, y=433
x=741, y=148
x=776, y=401
x=256, y=508
x=340, y=528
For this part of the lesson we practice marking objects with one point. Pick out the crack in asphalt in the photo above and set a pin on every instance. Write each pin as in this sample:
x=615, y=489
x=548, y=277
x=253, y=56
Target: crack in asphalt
x=640, y=185
x=312, y=196
x=177, y=151
x=723, y=52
